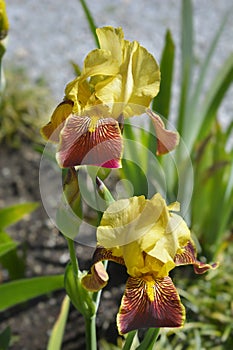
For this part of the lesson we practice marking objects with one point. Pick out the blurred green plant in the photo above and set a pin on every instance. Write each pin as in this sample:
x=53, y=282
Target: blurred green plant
x=20, y=289
x=212, y=206
x=208, y=303
x=5, y=337
x=24, y=107
x=9, y=258
x=196, y=121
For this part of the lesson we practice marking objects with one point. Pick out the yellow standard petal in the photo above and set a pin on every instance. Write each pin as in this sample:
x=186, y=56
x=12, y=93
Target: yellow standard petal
x=99, y=62
x=51, y=131
x=145, y=233
x=127, y=220
x=111, y=39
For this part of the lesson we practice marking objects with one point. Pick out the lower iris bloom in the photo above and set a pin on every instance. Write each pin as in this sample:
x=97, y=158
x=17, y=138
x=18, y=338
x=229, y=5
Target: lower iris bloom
x=150, y=240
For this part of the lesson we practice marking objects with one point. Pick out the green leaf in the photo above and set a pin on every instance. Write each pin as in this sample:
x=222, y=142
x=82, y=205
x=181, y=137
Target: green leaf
x=10, y=215
x=10, y=260
x=198, y=88
x=214, y=97
x=161, y=102
x=149, y=339
x=76, y=68
x=186, y=61
x=130, y=339
x=104, y=345
x=13, y=293
x=55, y=340
x=7, y=247
x=90, y=20
x=5, y=337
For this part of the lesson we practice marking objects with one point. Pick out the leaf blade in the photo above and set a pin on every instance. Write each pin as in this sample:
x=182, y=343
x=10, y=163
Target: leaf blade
x=55, y=340
x=11, y=215
x=16, y=292
x=161, y=102
x=7, y=247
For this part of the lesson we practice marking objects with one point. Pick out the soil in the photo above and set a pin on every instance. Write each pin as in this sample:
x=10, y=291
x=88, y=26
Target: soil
x=47, y=253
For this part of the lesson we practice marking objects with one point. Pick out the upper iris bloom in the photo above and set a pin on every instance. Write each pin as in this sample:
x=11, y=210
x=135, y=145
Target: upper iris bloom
x=117, y=81
x=150, y=240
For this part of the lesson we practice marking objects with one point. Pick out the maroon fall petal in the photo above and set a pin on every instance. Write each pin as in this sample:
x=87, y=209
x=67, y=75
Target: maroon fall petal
x=150, y=304
x=167, y=140
x=188, y=257
x=102, y=253
x=81, y=144
x=97, y=277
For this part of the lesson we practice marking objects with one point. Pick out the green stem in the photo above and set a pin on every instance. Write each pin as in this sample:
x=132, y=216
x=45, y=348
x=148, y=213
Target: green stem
x=73, y=258
x=90, y=324
x=97, y=295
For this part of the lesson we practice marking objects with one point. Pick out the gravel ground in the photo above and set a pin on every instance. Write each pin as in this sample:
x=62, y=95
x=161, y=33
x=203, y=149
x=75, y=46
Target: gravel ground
x=45, y=35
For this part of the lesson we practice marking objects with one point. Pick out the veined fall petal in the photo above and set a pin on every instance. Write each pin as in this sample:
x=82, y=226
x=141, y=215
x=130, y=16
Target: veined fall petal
x=88, y=140
x=150, y=303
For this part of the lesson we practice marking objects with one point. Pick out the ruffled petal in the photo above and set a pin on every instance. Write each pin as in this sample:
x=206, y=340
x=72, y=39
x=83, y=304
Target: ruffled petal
x=127, y=220
x=150, y=303
x=111, y=39
x=188, y=257
x=167, y=140
x=78, y=91
x=97, y=277
x=52, y=130
x=145, y=74
x=99, y=62
x=88, y=141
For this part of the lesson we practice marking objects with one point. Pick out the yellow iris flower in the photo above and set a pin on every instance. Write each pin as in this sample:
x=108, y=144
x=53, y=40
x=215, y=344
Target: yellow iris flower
x=117, y=81
x=150, y=240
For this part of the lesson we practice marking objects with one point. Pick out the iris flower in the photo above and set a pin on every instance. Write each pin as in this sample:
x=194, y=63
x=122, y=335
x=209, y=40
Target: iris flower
x=150, y=240
x=117, y=81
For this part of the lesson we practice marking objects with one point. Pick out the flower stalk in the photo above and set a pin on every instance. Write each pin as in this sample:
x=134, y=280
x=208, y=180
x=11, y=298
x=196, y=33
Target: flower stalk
x=90, y=326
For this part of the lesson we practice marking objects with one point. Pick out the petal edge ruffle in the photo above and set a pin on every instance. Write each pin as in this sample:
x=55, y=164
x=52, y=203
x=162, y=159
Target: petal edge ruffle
x=188, y=257
x=167, y=140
